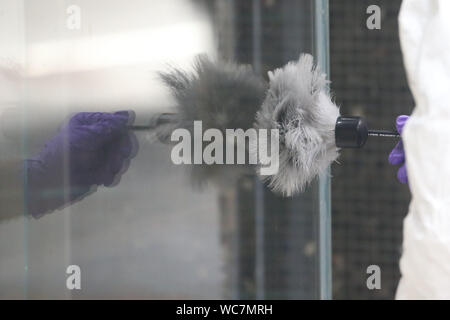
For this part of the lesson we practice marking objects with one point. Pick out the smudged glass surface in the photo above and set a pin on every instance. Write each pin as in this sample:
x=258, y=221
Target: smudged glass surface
x=156, y=234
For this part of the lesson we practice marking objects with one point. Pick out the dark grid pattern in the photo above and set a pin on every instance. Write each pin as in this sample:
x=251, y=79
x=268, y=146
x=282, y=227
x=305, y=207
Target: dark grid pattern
x=290, y=230
x=368, y=204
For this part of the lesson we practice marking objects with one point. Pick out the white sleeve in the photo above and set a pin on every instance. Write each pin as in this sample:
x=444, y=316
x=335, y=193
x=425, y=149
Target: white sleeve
x=424, y=28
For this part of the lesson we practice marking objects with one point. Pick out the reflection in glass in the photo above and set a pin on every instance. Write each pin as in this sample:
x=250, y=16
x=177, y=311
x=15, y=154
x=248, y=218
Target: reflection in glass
x=156, y=234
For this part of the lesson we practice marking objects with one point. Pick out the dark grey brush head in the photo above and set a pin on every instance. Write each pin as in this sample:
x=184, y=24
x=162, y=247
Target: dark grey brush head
x=223, y=95
x=298, y=104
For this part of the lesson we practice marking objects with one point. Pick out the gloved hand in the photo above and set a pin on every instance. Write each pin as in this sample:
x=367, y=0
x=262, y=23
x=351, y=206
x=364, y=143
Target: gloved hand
x=397, y=155
x=92, y=149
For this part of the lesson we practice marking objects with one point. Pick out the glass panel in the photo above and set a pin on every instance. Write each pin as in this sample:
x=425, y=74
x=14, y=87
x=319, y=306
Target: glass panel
x=13, y=233
x=158, y=233
x=321, y=38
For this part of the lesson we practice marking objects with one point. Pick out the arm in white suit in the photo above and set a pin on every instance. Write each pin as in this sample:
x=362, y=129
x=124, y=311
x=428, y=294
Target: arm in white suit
x=425, y=41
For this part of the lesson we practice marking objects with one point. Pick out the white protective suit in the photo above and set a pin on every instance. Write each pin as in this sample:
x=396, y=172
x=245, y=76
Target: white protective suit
x=425, y=40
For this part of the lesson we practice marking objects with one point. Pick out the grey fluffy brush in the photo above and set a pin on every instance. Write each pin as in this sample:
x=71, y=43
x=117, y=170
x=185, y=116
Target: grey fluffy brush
x=223, y=95
x=299, y=106
x=229, y=96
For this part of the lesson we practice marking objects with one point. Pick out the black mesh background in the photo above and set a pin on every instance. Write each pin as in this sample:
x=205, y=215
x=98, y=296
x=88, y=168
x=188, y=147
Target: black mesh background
x=368, y=203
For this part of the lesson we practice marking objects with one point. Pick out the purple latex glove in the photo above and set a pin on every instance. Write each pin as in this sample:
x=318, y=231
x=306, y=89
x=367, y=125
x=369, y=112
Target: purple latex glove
x=92, y=149
x=397, y=155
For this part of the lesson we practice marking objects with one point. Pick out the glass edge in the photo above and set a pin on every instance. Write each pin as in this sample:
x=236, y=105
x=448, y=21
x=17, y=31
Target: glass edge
x=321, y=53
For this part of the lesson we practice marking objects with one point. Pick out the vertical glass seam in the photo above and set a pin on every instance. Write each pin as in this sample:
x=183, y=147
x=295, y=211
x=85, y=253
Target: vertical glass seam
x=321, y=48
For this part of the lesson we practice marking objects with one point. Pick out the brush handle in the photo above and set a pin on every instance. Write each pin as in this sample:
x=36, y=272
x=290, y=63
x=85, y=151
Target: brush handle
x=352, y=132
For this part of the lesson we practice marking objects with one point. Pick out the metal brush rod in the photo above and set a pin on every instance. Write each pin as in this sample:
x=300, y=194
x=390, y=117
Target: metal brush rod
x=163, y=118
x=383, y=133
x=140, y=128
